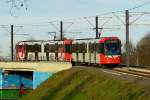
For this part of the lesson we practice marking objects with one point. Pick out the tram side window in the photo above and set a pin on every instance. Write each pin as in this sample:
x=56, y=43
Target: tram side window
x=30, y=48
x=37, y=48
x=74, y=48
x=94, y=47
x=100, y=47
x=91, y=47
x=52, y=48
x=84, y=48
x=33, y=48
x=56, y=46
x=80, y=48
x=47, y=48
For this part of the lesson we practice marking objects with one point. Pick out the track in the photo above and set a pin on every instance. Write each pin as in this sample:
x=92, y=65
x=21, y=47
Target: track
x=133, y=71
x=119, y=70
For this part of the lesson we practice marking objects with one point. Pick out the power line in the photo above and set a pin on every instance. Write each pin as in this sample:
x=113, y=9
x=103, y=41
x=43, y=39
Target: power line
x=89, y=22
x=107, y=13
x=139, y=6
x=107, y=21
x=68, y=27
x=54, y=26
x=118, y=18
x=137, y=19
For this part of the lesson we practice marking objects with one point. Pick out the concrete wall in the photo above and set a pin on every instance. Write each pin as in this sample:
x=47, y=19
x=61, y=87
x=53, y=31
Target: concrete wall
x=41, y=72
x=36, y=66
x=40, y=77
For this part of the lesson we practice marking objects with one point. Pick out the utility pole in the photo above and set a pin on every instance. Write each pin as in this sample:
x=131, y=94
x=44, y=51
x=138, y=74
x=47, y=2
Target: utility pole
x=127, y=38
x=61, y=30
x=12, y=46
x=96, y=19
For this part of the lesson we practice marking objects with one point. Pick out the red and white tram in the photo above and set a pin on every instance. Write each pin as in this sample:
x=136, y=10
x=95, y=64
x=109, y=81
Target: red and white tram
x=105, y=50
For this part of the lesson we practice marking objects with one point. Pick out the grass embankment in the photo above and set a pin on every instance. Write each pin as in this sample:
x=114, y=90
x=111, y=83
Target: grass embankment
x=8, y=94
x=88, y=84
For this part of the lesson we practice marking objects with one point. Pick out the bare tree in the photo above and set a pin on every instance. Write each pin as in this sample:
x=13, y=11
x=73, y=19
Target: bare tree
x=143, y=50
x=17, y=5
x=132, y=49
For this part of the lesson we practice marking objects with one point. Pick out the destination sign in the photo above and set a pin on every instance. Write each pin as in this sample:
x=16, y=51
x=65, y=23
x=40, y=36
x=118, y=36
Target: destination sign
x=111, y=41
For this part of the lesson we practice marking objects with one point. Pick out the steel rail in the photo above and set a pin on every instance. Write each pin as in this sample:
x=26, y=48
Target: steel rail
x=128, y=71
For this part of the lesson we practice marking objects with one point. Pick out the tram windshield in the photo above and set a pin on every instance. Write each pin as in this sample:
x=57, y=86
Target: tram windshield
x=113, y=48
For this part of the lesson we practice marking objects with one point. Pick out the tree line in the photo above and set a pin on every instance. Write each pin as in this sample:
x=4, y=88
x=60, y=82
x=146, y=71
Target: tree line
x=139, y=53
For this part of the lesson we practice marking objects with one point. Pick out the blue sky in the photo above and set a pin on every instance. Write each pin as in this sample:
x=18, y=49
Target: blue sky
x=40, y=12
